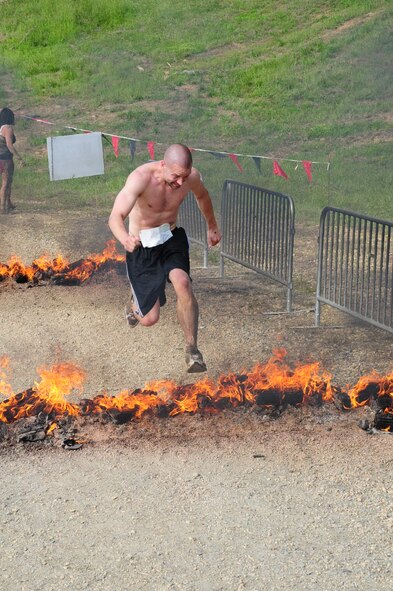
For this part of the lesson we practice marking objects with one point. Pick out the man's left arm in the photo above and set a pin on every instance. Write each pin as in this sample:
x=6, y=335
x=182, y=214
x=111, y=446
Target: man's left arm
x=206, y=206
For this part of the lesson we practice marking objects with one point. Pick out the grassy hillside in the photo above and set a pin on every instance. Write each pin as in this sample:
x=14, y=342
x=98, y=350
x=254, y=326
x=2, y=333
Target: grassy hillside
x=299, y=80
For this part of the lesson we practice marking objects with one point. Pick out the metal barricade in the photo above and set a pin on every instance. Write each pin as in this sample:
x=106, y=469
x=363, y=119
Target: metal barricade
x=192, y=220
x=258, y=228
x=355, y=266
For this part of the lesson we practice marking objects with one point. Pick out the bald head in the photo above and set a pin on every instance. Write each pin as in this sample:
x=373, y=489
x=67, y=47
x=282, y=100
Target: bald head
x=178, y=154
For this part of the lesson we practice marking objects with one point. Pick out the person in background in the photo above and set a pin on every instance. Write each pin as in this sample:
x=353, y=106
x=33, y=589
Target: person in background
x=157, y=249
x=7, y=153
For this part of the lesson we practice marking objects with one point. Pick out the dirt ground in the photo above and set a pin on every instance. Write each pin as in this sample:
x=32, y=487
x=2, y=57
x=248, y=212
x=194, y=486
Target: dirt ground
x=231, y=502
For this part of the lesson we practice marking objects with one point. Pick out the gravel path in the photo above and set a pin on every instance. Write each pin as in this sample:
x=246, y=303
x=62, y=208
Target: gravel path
x=230, y=502
x=311, y=511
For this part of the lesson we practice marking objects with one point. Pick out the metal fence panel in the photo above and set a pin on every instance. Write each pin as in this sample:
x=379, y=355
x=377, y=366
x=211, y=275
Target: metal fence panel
x=258, y=228
x=355, y=266
x=192, y=220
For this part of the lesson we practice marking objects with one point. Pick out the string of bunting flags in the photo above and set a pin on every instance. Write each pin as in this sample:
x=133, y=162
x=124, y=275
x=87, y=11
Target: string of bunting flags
x=151, y=146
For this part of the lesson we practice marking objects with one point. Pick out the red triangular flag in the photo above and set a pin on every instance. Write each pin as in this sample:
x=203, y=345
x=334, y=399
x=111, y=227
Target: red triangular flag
x=278, y=170
x=150, y=147
x=115, y=144
x=307, y=168
x=234, y=159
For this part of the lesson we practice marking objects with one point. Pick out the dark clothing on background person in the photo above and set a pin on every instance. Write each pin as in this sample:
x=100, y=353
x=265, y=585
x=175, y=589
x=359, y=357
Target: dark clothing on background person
x=5, y=153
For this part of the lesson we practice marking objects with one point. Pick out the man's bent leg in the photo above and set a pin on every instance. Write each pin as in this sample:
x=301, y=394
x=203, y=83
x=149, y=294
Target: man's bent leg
x=188, y=313
x=129, y=312
x=134, y=317
x=152, y=316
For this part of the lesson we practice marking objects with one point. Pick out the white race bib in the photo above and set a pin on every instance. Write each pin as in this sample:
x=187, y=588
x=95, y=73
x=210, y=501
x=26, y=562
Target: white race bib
x=155, y=236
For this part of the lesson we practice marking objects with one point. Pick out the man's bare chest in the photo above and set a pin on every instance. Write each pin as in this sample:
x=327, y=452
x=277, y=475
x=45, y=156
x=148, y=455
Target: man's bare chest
x=161, y=201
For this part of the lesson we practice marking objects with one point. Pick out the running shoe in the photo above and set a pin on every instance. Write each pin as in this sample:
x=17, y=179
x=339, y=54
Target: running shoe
x=132, y=320
x=194, y=360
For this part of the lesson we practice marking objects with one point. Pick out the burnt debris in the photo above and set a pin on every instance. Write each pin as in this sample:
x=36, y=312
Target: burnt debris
x=59, y=271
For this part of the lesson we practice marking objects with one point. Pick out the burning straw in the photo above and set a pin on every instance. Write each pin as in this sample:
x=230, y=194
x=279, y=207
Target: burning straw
x=271, y=385
x=59, y=271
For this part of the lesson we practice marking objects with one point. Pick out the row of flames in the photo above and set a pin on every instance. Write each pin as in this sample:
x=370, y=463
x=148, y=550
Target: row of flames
x=271, y=384
x=59, y=269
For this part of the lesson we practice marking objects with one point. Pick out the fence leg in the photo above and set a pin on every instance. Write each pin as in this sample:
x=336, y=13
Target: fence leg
x=289, y=299
x=221, y=266
x=317, y=313
x=205, y=258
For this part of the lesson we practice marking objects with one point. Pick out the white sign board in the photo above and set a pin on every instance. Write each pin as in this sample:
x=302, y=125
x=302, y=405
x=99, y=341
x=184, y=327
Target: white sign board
x=72, y=156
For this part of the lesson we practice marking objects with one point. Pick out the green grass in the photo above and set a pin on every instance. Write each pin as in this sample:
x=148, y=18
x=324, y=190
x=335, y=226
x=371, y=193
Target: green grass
x=300, y=80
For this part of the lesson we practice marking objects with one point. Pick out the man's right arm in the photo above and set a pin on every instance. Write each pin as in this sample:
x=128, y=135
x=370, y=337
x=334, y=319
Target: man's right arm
x=122, y=206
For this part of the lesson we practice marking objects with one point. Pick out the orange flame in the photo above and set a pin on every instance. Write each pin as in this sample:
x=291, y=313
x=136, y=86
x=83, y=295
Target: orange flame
x=46, y=396
x=372, y=385
x=5, y=388
x=51, y=428
x=277, y=375
x=91, y=263
x=270, y=384
x=60, y=266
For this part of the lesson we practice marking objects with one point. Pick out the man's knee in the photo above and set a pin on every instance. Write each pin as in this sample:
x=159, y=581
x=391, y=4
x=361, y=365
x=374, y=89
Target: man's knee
x=181, y=282
x=148, y=321
x=150, y=318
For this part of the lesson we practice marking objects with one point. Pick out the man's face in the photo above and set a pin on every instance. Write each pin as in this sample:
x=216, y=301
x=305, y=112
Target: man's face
x=175, y=175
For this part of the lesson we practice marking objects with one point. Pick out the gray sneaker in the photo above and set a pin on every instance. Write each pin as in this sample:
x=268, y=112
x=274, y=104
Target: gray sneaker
x=132, y=320
x=194, y=360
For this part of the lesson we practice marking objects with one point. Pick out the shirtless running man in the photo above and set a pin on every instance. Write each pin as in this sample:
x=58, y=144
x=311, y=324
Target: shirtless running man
x=156, y=248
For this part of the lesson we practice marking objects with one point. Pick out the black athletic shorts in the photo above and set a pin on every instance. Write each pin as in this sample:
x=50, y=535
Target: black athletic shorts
x=148, y=269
